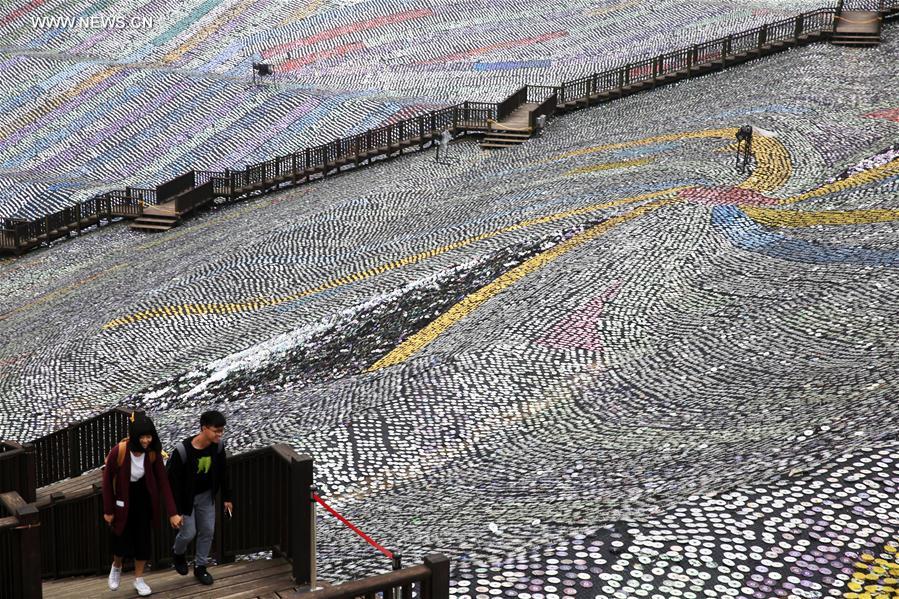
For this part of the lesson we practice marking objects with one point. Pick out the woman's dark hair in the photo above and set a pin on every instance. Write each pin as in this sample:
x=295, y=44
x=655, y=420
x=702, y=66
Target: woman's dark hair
x=142, y=425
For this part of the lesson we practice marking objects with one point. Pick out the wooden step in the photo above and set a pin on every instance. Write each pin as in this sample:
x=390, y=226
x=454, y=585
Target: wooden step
x=856, y=43
x=509, y=134
x=499, y=143
x=156, y=220
x=164, y=210
x=149, y=227
x=154, y=223
x=509, y=138
x=494, y=146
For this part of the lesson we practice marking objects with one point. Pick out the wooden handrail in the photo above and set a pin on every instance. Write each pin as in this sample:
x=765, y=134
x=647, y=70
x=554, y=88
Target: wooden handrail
x=433, y=576
x=362, y=586
x=66, y=453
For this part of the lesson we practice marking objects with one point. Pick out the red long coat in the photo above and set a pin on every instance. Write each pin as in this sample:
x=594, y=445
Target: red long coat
x=156, y=481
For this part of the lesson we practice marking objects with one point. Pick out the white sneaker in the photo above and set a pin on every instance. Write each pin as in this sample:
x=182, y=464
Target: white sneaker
x=115, y=576
x=142, y=588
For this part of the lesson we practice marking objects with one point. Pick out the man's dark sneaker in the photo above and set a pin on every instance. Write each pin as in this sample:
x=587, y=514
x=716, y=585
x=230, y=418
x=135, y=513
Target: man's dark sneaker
x=202, y=575
x=180, y=563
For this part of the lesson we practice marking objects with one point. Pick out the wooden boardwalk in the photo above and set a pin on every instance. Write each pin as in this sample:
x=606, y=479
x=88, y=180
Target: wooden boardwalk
x=268, y=578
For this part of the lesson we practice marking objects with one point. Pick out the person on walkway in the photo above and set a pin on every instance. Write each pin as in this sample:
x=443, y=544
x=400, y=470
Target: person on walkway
x=134, y=481
x=197, y=470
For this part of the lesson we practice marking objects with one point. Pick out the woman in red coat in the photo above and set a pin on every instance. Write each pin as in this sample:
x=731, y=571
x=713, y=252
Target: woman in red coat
x=134, y=481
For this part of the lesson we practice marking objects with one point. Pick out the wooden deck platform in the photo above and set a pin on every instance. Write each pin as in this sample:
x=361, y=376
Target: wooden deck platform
x=239, y=580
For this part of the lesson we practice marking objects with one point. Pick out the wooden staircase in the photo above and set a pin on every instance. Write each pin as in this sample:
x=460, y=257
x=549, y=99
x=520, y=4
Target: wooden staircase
x=511, y=131
x=156, y=219
x=858, y=28
x=505, y=138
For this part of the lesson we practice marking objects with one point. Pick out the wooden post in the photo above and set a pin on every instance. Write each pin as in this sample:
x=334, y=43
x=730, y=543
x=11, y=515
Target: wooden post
x=300, y=521
x=798, y=30
x=627, y=74
x=74, y=450
x=29, y=533
x=438, y=584
x=26, y=544
x=218, y=540
x=29, y=476
x=100, y=532
x=763, y=35
x=49, y=522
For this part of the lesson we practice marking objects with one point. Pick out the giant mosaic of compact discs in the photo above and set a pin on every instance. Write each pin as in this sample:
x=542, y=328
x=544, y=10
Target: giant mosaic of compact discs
x=602, y=364
x=88, y=107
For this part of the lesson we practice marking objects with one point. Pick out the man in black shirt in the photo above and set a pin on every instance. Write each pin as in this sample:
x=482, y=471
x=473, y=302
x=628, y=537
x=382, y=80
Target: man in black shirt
x=197, y=470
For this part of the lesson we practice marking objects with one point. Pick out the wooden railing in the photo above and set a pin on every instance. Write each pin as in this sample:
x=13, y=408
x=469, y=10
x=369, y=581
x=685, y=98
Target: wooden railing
x=17, y=470
x=219, y=181
x=428, y=581
x=180, y=184
x=16, y=236
x=512, y=103
x=546, y=108
x=194, y=197
x=20, y=550
x=272, y=512
x=79, y=447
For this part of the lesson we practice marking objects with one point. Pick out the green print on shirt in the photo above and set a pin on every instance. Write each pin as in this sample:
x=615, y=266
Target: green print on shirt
x=203, y=464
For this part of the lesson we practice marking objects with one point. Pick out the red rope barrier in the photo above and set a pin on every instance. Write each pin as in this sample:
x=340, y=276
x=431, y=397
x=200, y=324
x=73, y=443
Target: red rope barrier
x=352, y=526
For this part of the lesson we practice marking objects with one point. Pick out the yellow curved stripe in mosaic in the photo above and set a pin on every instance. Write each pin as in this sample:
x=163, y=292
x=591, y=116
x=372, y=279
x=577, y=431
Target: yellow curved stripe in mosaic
x=471, y=302
x=56, y=101
x=773, y=165
x=801, y=218
x=205, y=32
x=647, y=141
x=181, y=310
x=874, y=576
x=870, y=176
x=608, y=166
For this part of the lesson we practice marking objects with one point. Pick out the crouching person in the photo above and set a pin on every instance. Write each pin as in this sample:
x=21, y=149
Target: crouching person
x=197, y=471
x=134, y=482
